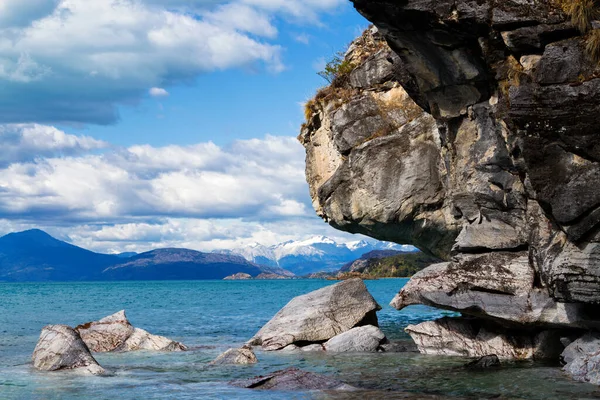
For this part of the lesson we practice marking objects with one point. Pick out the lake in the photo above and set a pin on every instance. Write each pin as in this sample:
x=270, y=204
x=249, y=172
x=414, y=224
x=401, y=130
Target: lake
x=211, y=316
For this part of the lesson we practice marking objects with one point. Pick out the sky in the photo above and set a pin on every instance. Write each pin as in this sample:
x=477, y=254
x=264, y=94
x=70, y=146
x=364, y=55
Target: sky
x=128, y=125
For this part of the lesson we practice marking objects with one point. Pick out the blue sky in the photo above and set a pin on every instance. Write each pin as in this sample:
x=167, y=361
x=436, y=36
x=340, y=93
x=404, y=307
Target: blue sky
x=134, y=124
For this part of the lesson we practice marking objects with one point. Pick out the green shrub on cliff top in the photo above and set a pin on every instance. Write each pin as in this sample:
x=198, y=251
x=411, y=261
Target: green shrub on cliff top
x=337, y=70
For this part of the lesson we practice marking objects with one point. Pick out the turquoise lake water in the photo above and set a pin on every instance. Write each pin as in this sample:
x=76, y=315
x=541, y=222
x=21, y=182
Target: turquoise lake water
x=211, y=316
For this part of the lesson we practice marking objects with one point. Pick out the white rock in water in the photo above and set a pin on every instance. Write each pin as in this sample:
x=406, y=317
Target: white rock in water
x=320, y=315
x=115, y=333
x=241, y=356
x=365, y=339
x=60, y=348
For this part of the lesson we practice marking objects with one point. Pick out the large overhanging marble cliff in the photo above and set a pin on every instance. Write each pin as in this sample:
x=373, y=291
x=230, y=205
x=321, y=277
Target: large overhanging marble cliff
x=470, y=129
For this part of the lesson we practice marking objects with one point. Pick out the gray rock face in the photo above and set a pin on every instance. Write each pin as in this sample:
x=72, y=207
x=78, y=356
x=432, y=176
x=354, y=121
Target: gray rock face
x=582, y=358
x=363, y=339
x=241, y=356
x=475, y=140
x=293, y=379
x=469, y=338
x=320, y=315
x=115, y=333
x=61, y=348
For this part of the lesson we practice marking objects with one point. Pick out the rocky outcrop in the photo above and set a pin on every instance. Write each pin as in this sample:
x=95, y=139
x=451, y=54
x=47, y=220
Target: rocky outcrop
x=320, y=315
x=293, y=379
x=485, y=362
x=115, y=333
x=468, y=129
x=362, y=339
x=237, y=277
x=61, y=348
x=242, y=356
x=472, y=338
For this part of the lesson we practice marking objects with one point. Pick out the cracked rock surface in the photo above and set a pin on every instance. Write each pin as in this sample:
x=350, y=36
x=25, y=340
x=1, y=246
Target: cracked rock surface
x=469, y=129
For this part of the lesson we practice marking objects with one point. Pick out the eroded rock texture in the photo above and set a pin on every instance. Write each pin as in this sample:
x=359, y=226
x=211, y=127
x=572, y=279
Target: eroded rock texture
x=115, y=333
x=61, y=348
x=318, y=316
x=468, y=128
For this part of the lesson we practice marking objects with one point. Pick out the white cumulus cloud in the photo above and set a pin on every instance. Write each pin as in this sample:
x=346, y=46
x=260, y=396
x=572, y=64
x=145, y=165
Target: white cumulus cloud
x=116, y=50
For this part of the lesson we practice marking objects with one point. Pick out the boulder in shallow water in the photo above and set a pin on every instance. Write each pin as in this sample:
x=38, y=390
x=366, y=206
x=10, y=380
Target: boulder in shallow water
x=61, y=348
x=293, y=379
x=241, y=356
x=320, y=315
x=115, y=333
x=472, y=338
x=582, y=358
x=364, y=339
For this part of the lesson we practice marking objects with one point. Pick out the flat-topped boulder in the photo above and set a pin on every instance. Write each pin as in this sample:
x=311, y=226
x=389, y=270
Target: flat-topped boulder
x=293, y=379
x=320, y=315
x=242, y=356
x=115, y=333
x=61, y=348
x=362, y=339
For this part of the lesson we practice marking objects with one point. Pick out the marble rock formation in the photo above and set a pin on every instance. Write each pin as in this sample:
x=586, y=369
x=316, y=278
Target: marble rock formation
x=115, y=333
x=469, y=129
x=582, y=358
x=61, y=348
x=320, y=315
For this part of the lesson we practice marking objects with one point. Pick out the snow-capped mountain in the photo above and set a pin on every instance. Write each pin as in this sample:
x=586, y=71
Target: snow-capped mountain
x=318, y=253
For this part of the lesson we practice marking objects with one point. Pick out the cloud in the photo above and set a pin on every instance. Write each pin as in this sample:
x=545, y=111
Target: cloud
x=158, y=92
x=302, y=38
x=77, y=61
x=27, y=142
x=258, y=179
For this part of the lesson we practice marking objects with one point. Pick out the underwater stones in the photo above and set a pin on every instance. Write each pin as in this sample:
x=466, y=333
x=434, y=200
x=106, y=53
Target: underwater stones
x=61, y=348
x=319, y=315
x=364, y=339
x=484, y=362
x=470, y=338
x=241, y=356
x=292, y=379
x=115, y=333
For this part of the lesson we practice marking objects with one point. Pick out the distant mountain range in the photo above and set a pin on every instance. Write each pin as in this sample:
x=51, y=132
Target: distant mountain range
x=36, y=256
x=318, y=253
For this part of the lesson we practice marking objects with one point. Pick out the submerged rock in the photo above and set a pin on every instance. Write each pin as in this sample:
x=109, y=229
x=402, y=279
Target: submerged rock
x=241, y=356
x=365, y=339
x=293, y=379
x=320, y=315
x=484, y=362
x=61, y=348
x=115, y=333
x=471, y=338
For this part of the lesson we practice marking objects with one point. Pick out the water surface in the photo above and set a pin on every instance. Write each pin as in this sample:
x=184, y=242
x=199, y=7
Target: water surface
x=211, y=316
